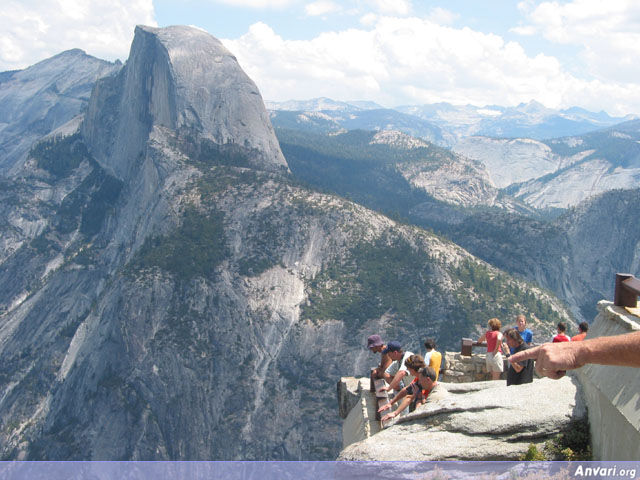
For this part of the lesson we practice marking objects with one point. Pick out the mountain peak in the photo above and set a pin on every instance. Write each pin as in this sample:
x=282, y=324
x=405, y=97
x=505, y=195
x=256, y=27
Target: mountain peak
x=183, y=79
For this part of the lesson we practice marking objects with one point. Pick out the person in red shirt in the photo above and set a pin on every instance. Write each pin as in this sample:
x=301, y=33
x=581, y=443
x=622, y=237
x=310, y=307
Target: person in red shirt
x=425, y=390
x=583, y=327
x=561, y=336
x=494, y=361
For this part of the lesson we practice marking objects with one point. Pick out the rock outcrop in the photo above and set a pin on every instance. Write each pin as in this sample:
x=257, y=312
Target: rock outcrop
x=181, y=79
x=612, y=393
x=478, y=421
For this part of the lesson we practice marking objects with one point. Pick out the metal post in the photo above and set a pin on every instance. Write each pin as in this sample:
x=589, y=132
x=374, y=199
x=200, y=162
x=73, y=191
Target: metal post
x=466, y=347
x=626, y=292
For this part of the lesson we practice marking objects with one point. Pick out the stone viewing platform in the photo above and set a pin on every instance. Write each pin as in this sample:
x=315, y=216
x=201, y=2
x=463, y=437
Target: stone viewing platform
x=486, y=420
x=463, y=369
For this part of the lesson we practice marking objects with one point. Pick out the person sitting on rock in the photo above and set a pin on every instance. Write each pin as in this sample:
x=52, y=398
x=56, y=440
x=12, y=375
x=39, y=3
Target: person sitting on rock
x=561, y=336
x=583, y=327
x=397, y=371
x=494, y=361
x=522, y=372
x=376, y=345
x=426, y=390
x=414, y=364
x=433, y=358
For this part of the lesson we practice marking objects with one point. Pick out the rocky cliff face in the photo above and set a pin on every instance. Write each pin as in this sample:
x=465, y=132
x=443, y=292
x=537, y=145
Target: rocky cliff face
x=576, y=256
x=168, y=291
x=168, y=82
x=41, y=99
x=561, y=172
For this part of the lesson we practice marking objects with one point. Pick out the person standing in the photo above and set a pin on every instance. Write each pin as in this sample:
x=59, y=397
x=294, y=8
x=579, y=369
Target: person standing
x=433, y=358
x=493, y=337
x=583, y=327
x=518, y=372
x=561, y=336
x=525, y=333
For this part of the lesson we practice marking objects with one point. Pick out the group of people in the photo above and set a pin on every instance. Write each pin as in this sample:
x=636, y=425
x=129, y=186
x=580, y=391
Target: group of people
x=414, y=377
x=515, y=340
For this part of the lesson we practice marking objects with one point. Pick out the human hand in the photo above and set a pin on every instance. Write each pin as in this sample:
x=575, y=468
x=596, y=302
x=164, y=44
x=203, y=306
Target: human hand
x=384, y=407
x=388, y=416
x=552, y=359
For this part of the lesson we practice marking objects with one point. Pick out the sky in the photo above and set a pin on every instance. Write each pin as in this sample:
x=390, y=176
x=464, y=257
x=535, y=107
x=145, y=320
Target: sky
x=394, y=52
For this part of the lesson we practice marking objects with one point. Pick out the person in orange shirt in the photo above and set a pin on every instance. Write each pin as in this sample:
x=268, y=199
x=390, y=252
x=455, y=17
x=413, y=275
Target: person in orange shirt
x=584, y=328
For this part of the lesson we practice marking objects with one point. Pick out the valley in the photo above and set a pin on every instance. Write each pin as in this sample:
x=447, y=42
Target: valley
x=183, y=273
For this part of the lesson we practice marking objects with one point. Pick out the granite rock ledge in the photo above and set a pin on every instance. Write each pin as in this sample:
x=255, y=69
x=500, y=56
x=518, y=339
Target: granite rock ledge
x=478, y=421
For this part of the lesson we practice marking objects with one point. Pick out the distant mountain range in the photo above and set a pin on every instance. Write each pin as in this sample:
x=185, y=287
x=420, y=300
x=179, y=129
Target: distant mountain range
x=452, y=122
x=527, y=120
x=354, y=118
x=560, y=172
x=584, y=153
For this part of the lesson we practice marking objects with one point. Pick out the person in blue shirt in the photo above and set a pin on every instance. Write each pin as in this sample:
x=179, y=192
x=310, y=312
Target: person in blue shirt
x=525, y=333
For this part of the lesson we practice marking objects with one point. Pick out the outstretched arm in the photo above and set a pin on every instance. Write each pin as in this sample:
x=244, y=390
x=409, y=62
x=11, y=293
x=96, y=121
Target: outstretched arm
x=395, y=383
x=553, y=359
x=404, y=404
x=401, y=394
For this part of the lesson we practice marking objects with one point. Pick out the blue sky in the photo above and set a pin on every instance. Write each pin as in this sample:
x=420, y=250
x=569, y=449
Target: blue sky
x=559, y=52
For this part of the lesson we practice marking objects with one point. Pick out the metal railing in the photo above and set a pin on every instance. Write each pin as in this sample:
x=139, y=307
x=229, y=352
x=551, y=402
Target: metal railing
x=467, y=344
x=382, y=396
x=626, y=291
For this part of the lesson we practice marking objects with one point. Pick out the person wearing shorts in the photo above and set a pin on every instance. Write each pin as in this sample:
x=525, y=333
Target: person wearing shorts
x=493, y=337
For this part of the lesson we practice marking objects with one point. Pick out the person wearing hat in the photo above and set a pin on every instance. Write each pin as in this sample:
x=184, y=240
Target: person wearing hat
x=397, y=375
x=376, y=345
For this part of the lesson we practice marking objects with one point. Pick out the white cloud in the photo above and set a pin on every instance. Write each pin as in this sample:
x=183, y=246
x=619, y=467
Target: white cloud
x=525, y=30
x=322, y=7
x=369, y=19
x=259, y=3
x=413, y=60
x=31, y=30
x=607, y=33
x=389, y=7
x=443, y=16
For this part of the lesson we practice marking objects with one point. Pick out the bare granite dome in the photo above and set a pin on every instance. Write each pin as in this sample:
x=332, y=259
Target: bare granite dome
x=183, y=79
